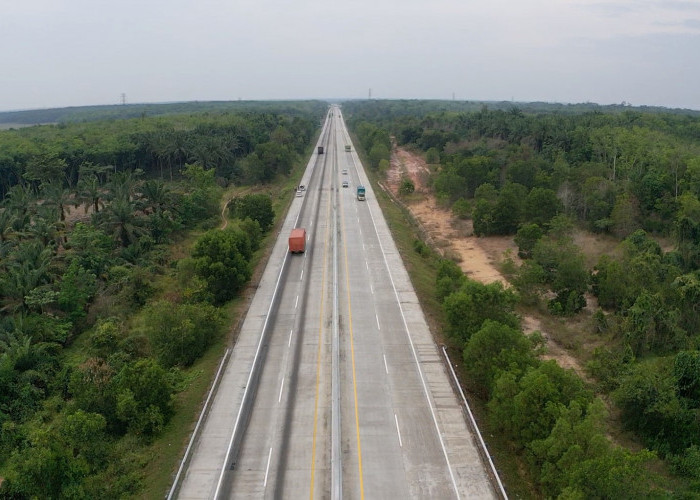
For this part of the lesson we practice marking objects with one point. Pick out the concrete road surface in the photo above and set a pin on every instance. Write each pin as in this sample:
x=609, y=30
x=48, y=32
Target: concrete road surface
x=351, y=397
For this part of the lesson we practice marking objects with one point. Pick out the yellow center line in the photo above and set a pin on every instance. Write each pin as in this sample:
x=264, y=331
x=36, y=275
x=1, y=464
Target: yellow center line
x=352, y=355
x=318, y=356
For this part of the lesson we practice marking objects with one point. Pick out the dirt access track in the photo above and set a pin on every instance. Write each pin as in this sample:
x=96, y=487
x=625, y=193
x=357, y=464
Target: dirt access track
x=454, y=238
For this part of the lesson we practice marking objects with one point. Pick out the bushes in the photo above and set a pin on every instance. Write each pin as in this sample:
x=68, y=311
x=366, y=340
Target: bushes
x=222, y=259
x=495, y=348
x=467, y=308
x=257, y=207
x=181, y=333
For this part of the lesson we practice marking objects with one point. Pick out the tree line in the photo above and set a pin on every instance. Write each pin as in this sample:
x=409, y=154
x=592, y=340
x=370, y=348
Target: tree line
x=98, y=320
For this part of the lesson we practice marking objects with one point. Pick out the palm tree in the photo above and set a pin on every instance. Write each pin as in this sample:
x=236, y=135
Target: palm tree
x=154, y=196
x=46, y=227
x=28, y=267
x=20, y=199
x=119, y=219
x=90, y=192
x=55, y=194
x=6, y=221
x=124, y=184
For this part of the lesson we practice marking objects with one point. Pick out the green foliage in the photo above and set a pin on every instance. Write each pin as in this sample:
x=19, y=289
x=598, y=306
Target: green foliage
x=527, y=407
x=91, y=385
x=421, y=248
x=375, y=142
x=686, y=371
x=492, y=350
x=105, y=337
x=181, y=333
x=407, y=186
x=687, y=230
x=687, y=464
x=608, y=366
x=467, y=308
x=461, y=208
x=526, y=238
x=625, y=215
x=222, y=259
x=143, y=391
x=78, y=287
x=252, y=229
x=257, y=207
x=57, y=458
x=652, y=407
x=617, y=473
x=502, y=215
x=432, y=155
x=91, y=248
x=377, y=153
x=449, y=278
x=541, y=205
x=565, y=272
x=267, y=161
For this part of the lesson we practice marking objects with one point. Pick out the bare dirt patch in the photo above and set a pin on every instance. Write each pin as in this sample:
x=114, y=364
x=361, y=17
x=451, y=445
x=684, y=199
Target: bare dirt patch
x=478, y=257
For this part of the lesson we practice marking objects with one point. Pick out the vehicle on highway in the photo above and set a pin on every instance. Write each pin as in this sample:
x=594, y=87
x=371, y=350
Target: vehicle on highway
x=345, y=171
x=348, y=148
x=297, y=240
x=302, y=187
x=360, y=192
x=299, y=193
x=320, y=150
x=345, y=184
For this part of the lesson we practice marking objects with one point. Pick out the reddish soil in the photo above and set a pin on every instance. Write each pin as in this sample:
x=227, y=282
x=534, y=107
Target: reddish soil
x=477, y=257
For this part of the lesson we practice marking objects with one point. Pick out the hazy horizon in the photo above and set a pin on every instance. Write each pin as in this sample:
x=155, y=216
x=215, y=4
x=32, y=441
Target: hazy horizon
x=83, y=53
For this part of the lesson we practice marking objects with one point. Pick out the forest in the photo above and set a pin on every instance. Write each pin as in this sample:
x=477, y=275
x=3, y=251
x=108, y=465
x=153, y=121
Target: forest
x=538, y=175
x=114, y=280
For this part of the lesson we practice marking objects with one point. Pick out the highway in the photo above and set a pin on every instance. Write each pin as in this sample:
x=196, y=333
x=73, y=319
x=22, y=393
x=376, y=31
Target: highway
x=335, y=387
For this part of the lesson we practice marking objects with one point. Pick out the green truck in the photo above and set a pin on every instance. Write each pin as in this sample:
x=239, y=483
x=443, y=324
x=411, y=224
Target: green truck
x=360, y=192
x=348, y=148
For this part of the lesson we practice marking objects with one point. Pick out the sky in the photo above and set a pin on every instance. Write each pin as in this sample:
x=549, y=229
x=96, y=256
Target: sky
x=56, y=53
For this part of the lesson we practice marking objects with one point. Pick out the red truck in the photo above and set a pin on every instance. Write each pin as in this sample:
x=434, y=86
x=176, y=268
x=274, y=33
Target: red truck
x=297, y=240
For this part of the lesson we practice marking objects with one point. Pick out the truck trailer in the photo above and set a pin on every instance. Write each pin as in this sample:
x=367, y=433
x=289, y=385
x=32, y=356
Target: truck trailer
x=360, y=192
x=297, y=240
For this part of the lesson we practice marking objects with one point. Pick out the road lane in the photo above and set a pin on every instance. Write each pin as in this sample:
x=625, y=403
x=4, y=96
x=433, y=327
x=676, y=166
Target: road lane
x=402, y=431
